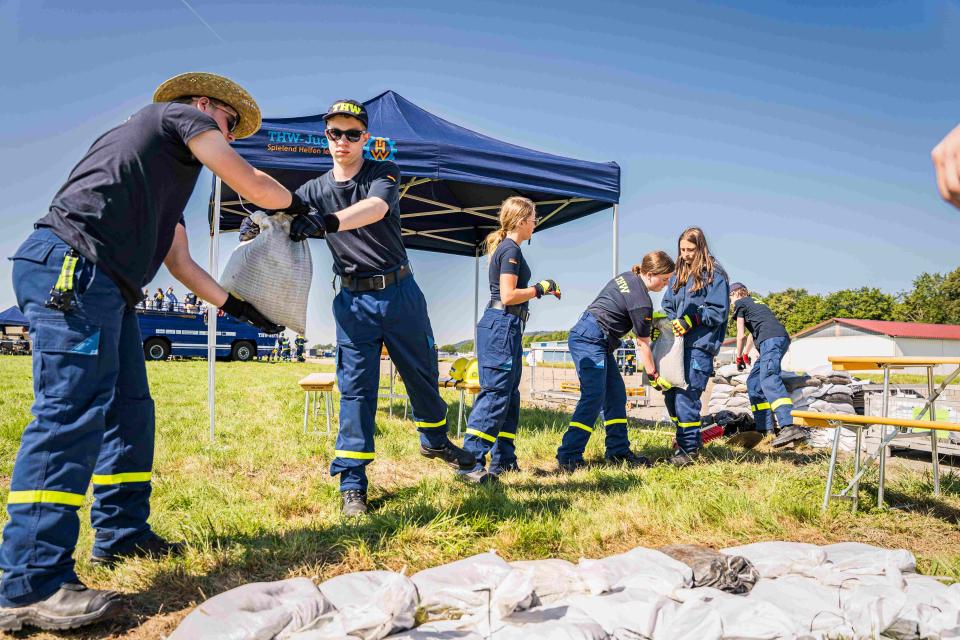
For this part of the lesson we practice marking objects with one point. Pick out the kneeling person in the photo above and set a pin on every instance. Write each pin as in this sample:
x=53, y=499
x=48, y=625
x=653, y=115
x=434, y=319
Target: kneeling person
x=623, y=304
x=358, y=211
x=768, y=395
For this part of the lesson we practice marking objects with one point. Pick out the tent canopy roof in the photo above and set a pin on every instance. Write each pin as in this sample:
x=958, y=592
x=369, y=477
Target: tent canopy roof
x=12, y=317
x=453, y=181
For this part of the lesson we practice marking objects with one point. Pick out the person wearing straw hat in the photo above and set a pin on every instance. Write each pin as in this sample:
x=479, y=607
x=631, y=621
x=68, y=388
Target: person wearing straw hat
x=357, y=207
x=77, y=278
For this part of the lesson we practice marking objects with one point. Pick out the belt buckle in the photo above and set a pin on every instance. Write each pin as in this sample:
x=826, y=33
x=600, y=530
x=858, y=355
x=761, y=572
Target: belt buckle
x=383, y=282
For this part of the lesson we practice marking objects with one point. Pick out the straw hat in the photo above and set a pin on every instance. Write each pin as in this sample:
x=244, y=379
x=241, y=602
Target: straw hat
x=196, y=83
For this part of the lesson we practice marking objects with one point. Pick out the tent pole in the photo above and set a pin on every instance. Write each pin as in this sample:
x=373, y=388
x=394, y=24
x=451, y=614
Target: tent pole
x=616, y=241
x=476, y=297
x=212, y=314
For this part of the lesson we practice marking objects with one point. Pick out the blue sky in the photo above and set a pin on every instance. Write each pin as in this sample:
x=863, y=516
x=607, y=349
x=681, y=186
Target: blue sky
x=797, y=134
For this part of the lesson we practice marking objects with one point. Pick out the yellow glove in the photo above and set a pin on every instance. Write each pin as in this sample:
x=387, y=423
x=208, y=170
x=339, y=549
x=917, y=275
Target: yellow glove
x=682, y=325
x=660, y=383
x=547, y=286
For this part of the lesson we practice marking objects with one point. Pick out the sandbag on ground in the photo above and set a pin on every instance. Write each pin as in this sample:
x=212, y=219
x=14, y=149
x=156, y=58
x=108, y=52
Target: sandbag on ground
x=775, y=558
x=627, y=614
x=642, y=568
x=710, y=613
x=729, y=573
x=369, y=605
x=555, y=580
x=272, y=272
x=813, y=608
x=564, y=622
x=257, y=611
x=480, y=585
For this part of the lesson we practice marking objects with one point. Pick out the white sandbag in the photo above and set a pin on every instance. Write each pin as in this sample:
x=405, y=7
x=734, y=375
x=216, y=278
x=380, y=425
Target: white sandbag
x=668, y=355
x=369, y=605
x=860, y=558
x=740, y=378
x=829, y=388
x=256, y=611
x=441, y=630
x=710, y=613
x=480, y=585
x=821, y=406
x=822, y=438
x=722, y=389
x=934, y=606
x=812, y=607
x=627, y=613
x=642, y=569
x=555, y=622
x=774, y=559
x=272, y=272
x=727, y=371
x=877, y=610
x=554, y=580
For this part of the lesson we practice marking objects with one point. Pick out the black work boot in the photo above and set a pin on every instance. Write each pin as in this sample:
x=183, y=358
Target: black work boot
x=790, y=434
x=451, y=454
x=681, y=458
x=569, y=466
x=152, y=547
x=354, y=503
x=630, y=458
x=72, y=606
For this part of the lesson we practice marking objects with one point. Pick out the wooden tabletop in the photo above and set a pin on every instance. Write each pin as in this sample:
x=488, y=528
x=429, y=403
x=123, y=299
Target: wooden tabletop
x=869, y=363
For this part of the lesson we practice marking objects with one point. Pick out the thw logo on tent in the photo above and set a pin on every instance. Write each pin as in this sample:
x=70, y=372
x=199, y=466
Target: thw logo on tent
x=380, y=149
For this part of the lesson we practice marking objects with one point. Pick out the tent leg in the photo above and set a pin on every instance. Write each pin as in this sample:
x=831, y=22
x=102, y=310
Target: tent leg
x=616, y=240
x=476, y=298
x=212, y=314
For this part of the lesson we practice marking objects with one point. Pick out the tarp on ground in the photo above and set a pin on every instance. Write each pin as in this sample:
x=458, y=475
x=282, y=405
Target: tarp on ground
x=454, y=179
x=13, y=317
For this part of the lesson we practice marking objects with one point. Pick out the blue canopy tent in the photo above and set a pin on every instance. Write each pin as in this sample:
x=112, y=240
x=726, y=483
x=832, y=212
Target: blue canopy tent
x=453, y=180
x=13, y=317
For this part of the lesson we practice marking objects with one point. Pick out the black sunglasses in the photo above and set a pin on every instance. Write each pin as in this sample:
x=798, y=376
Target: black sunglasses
x=353, y=135
x=232, y=120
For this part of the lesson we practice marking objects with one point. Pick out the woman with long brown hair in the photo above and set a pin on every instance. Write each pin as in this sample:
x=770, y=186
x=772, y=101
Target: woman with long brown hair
x=697, y=302
x=492, y=427
x=623, y=304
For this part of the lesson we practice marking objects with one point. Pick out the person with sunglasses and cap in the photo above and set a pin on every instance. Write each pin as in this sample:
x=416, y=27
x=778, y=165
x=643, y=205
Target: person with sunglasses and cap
x=357, y=207
x=78, y=278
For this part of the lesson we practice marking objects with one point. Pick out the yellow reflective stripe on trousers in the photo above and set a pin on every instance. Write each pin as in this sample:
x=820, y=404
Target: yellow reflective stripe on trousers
x=688, y=424
x=481, y=434
x=65, y=281
x=779, y=402
x=43, y=495
x=675, y=419
x=580, y=425
x=507, y=434
x=120, y=478
x=607, y=423
x=357, y=455
x=760, y=407
x=430, y=425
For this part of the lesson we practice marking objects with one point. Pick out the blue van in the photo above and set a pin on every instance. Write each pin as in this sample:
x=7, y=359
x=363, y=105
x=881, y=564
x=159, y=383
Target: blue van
x=181, y=330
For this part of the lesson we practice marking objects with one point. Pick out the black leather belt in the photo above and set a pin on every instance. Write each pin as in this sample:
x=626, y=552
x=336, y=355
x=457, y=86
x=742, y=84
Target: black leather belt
x=512, y=309
x=377, y=282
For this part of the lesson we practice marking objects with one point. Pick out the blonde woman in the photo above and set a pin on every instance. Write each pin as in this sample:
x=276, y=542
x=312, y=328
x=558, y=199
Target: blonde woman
x=623, y=305
x=697, y=301
x=492, y=427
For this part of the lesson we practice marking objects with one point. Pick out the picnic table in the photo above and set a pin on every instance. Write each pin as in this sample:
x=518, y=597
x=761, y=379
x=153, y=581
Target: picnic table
x=886, y=364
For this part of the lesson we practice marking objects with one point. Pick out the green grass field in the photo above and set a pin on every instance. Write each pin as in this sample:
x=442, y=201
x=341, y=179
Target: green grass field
x=258, y=504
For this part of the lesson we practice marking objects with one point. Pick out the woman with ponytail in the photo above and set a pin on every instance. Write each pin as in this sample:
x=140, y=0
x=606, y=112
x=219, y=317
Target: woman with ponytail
x=492, y=427
x=697, y=302
x=623, y=304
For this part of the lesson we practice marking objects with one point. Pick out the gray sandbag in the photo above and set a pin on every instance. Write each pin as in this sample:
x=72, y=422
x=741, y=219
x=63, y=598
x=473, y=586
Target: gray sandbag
x=256, y=611
x=839, y=398
x=733, y=574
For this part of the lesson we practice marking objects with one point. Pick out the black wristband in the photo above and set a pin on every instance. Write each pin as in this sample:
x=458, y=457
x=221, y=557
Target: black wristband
x=331, y=222
x=232, y=305
x=297, y=206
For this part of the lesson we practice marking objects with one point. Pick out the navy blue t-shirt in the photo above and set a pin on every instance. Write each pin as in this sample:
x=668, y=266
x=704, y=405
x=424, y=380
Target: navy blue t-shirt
x=377, y=247
x=122, y=202
x=507, y=258
x=759, y=320
x=623, y=304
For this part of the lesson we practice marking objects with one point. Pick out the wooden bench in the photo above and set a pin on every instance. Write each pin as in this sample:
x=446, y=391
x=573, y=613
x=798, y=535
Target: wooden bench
x=319, y=384
x=570, y=387
x=858, y=423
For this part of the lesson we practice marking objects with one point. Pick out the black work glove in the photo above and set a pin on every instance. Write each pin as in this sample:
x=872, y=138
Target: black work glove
x=246, y=312
x=313, y=224
x=547, y=286
x=297, y=206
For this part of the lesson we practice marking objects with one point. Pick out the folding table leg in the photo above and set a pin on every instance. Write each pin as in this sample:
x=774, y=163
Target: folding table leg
x=460, y=411
x=306, y=410
x=935, y=458
x=883, y=437
x=833, y=465
x=327, y=399
x=856, y=469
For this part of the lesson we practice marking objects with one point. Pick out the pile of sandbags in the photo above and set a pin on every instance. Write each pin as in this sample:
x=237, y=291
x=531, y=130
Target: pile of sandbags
x=826, y=391
x=729, y=391
x=768, y=590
